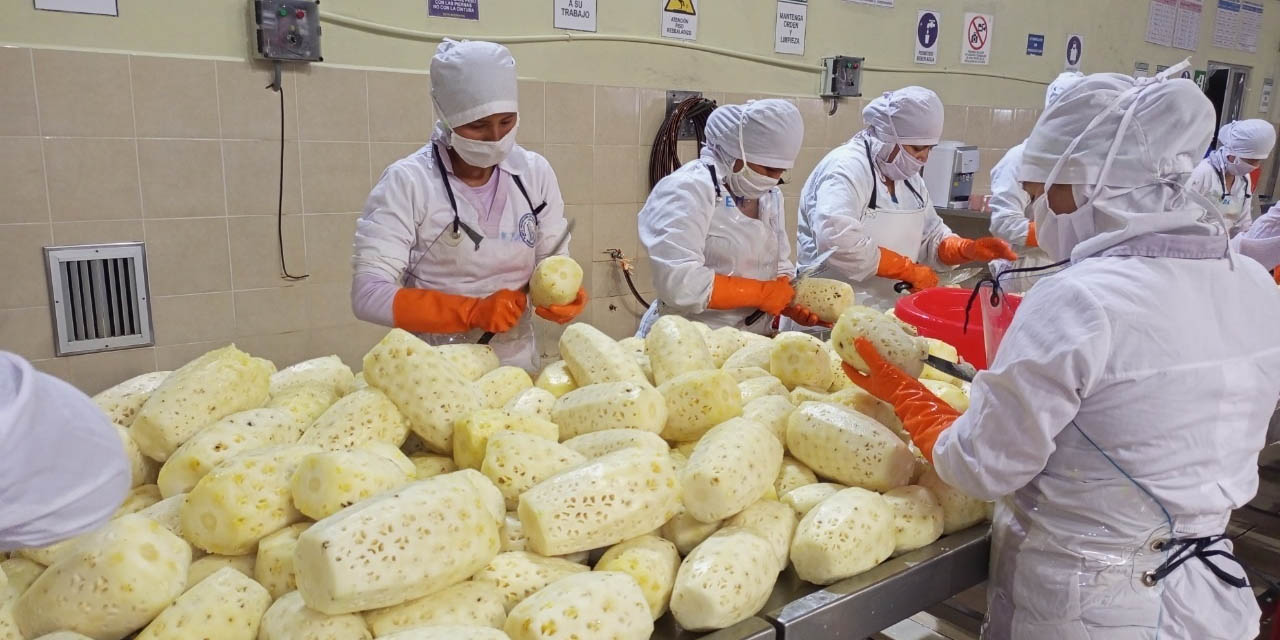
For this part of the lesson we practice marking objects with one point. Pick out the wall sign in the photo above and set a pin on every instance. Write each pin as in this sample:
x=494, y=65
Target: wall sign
x=976, y=48
x=463, y=9
x=1075, y=51
x=575, y=15
x=928, y=25
x=680, y=19
x=788, y=32
x=1141, y=70
x=1035, y=44
x=1264, y=102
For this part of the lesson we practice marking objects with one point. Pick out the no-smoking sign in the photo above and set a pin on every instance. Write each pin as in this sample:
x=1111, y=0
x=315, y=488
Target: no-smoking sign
x=977, y=39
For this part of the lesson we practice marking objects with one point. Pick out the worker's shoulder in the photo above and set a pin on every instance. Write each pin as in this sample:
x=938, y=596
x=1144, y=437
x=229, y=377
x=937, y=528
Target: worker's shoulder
x=848, y=160
x=693, y=177
x=416, y=165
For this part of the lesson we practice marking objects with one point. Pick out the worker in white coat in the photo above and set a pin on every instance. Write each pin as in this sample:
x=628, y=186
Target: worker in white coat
x=1120, y=423
x=1009, y=204
x=715, y=229
x=450, y=234
x=868, y=201
x=1224, y=175
x=65, y=472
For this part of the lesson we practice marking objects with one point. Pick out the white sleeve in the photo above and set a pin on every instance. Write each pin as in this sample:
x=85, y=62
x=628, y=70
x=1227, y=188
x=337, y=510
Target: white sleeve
x=1261, y=241
x=1009, y=201
x=65, y=470
x=1202, y=179
x=551, y=221
x=1052, y=356
x=388, y=229
x=840, y=200
x=785, y=266
x=1246, y=216
x=673, y=226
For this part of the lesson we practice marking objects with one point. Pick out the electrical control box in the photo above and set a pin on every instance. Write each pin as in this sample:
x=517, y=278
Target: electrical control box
x=841, y=77
x=288, y=29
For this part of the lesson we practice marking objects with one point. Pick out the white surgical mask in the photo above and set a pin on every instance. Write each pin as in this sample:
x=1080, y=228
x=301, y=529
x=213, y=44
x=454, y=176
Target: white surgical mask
x=483, y=153
x=1059, y=233
x=1239, y=167
x=903, y=166
x=749, y=184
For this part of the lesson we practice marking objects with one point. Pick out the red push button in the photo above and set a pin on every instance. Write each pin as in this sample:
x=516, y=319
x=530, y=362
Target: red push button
x=300, y=14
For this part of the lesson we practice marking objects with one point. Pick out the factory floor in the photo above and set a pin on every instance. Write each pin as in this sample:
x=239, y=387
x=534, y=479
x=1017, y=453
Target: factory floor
x=1254, y=528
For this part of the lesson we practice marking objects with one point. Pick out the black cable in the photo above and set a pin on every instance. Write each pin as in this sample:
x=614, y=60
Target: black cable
x=664, y=159
x=278, y=87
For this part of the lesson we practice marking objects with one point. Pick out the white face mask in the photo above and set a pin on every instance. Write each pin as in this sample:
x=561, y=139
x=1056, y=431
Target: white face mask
x=1057, y=234
x=482, y=153
x=1238, y=168
x=749, y=184
x=903, y=166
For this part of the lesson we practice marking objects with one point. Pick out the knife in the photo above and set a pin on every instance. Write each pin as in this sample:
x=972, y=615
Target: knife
x=965, y=372
x=560, y=242
x=820, y=266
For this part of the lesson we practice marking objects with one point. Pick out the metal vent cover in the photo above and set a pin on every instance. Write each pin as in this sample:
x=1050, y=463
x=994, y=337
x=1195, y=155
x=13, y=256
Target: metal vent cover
x=100, y=297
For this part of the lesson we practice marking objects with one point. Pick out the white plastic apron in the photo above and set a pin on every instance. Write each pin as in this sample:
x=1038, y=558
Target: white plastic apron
x=898, y=230
x=1058, y=574
x=502, y=262
x=736, y=245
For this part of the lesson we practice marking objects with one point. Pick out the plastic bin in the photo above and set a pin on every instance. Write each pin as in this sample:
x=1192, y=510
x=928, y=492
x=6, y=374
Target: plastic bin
x=939, y=313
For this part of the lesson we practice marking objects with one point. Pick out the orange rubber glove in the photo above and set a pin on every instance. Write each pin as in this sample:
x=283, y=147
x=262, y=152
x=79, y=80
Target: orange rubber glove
x=1031, y=235
x=804, y=317
x=924, y=415
x=564, y=313
x=954, y=250
x=1276, y=275
x=732, y=292
x=896, y=266
x=424, y=311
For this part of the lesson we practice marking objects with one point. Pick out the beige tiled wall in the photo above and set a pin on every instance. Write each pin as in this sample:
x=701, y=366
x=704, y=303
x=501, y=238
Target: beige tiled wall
x=183, y=154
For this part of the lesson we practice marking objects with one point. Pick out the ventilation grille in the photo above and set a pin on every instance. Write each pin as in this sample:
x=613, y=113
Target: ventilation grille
x=100, y=297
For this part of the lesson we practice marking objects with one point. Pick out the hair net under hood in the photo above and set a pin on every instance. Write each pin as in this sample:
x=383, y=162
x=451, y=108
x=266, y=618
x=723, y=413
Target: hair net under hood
x=1252, y=139
x=472, y=79
x=768, y=131
x=1129, y=143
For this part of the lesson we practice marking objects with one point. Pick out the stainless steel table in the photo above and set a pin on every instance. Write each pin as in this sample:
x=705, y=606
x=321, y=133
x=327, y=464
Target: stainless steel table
x=749, y=629
x=864, y=604
x=895, y=590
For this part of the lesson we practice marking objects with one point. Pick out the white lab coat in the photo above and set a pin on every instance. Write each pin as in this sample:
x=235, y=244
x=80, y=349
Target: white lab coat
x=1009, y=222
x=692, y=235
x=834, y=213
x=406, y=236
x=64, y=471
x=1236, y=207
x=1132, y=350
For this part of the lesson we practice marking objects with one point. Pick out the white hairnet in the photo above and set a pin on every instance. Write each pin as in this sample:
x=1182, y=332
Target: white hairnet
x=1130, y=142
x=1252, y=139
x=910, y=115
x=769, y=131
x=472, y=80
x=1060, y=84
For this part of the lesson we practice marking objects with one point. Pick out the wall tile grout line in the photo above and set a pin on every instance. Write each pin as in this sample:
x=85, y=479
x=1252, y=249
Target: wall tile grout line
x=137, y=158
x=226, y=199
x=44, y=161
